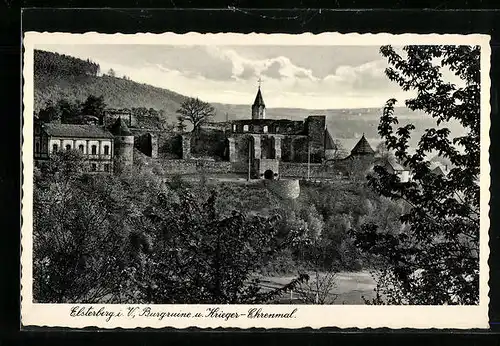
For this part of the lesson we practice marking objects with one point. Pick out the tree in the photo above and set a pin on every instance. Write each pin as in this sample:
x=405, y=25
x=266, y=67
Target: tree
x=94, y=106
x=338, y=152
x=196, y=112
x=70, y=111
x=111, y=73
x=51, y=113
x=181, y=126
x=203, y=254
x=76, y=251
x=436, y=261
x=382, y=152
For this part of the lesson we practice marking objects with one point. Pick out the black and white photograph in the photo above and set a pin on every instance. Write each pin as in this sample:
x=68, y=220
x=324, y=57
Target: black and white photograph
x=256, y=178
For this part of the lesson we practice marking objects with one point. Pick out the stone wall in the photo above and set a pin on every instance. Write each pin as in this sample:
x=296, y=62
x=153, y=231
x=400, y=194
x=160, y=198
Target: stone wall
x=147, y=143
x=239, y=167
x=169, y=145
x=289, y=189
x=316, y=132
x=317, y=170
x=186, y=146
x=196, y=167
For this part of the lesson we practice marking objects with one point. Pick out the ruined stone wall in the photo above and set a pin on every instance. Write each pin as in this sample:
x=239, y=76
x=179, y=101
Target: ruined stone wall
x=186, y=146
x=239, y=167
x=289, y=189
x=209, y=143
x=286, y=149
x=299, y=170
x=299, y=149
x=241, y=147
x=196, y=167
x=267, y=147
x=147, y=143
x=169, y=145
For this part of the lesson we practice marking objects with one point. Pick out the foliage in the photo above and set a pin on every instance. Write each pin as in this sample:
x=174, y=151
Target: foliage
x=94, y=106
x=50, y=113
x=436, y=261
x=196, y=112
x=382, y=152
x=131, y=237
x=54, y=81
x=76, y=247
x=54, y=63
x=69, y=112
x=208, y=143
x=203, y=256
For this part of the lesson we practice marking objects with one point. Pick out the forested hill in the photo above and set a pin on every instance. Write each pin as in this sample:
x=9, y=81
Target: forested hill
x=63, y=77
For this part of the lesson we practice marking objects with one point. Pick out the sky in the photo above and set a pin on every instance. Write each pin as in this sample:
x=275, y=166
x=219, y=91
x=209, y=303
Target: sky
x=310, y=77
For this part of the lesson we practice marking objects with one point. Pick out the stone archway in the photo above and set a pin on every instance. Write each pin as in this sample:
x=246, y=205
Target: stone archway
x=269, y=174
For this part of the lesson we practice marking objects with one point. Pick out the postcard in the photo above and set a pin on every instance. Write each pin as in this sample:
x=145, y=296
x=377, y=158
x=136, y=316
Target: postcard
x=255, y=180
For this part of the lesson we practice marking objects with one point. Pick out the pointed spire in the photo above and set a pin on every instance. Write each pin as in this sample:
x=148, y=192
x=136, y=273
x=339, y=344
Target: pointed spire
x=259, y=100
x=362, y=147
x=120, y=128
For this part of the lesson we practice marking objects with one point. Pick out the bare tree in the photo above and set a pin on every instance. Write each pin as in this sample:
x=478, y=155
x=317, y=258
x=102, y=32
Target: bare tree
x=181, y=126
x=196, y=112
x=322, y=279
x=339, y=152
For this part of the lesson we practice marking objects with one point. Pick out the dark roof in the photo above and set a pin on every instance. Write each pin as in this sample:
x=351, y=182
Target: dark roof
x=396, y=166
x=329, y=142
x=259, y=101
x=362, y=147
x=76, y=131
x=438, y=171
x=120, y=128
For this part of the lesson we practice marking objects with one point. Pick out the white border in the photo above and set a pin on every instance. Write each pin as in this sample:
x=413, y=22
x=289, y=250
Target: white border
x=307, y=316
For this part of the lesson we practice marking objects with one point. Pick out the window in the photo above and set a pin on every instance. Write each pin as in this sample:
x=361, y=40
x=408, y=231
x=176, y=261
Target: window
x=54, y=148
x=245, y=128
x=265, y=128
x=234, y=128
x=106, y=150
x=37, y=147
x=106, y=167
x=81, y=148
x=94, y=150
x=68, y=146
x=93, y=167
x=277, y=129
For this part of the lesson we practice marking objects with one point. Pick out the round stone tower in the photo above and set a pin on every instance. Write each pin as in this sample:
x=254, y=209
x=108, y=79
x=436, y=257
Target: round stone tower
x=123, y=145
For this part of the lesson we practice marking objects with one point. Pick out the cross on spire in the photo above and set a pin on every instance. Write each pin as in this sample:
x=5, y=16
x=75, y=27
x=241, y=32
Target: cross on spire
x=260, y=81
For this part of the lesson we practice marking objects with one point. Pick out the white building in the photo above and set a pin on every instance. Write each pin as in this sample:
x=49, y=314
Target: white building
x=94, y=142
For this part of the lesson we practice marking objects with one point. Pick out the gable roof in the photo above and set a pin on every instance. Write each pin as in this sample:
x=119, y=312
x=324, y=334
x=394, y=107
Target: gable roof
x=438, y=170
x=396, y=166
x=120, y=128
x=362, y=147
x=259, y=100
x=76, y=131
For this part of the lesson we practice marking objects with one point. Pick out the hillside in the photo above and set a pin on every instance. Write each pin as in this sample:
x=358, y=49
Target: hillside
x=63, y=77
x=117, y=92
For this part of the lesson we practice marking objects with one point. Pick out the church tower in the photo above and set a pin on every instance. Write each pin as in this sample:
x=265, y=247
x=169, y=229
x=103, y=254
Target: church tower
x=258, y=107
